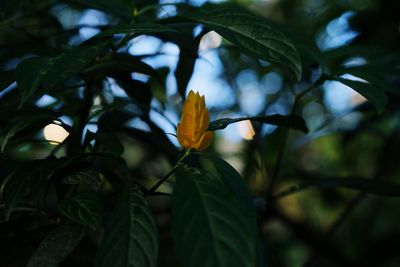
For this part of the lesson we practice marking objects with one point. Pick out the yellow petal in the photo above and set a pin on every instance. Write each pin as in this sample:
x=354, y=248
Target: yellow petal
x=202, y=103
x=191, y=96
x=205, y=141
x=204, y=121
x=188, y=125
x=182, y=139
x=191, y=130
x=188, y=107
x=196, y=100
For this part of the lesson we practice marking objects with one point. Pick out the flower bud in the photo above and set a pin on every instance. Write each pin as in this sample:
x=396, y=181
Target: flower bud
x=192, y=129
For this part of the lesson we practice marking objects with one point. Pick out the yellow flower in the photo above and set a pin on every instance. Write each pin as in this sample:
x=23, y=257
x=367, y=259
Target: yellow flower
x=192, y=129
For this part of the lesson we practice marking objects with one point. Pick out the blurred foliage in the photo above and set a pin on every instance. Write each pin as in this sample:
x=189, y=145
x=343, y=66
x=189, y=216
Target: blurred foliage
x=317, y=185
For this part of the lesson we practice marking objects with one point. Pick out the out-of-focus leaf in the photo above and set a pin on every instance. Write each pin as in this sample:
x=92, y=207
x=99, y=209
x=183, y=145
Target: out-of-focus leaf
x=141, y=94
x=11, y=132
x=29, y=75
x=123, y=63
x=113, y=120
x=138, y=28
x=375, y=187
x=16, y=187
x=83, y=177
x=131, y=238
x=188, y=44
x=14, y=190
x=120, y=8
x=35, y=72
x=58, y=245
x=6, y=79
x=84, y=208
x=108, y=143
x=138, y=91
x=69, y=63
x=208, y=220
x=291, y=121
x=372, y=74
x=375, y=95
x=31, y=121
x=249, y=32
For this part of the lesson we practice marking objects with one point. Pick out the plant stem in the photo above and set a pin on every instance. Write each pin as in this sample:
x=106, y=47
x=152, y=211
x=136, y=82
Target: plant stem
x=159, y=183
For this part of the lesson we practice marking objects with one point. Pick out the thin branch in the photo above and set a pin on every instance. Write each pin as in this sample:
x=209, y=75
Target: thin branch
x=159, y=183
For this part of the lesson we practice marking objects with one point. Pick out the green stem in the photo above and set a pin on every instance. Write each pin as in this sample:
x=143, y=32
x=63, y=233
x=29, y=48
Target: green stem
x=159, y=183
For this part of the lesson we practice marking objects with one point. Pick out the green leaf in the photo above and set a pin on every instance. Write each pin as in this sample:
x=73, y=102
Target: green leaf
x=13, y=131
x=16, y=187
x=292, y=121
x=119, y=62
x=375, y=187
x=120, y=8
x=237, y=185
x=57, y=245
x=188, y=52
x=114, y=119
x=208, y=220
x=374, y=75
x=375, y=95
x=29, y=76
x=14, y=190
x=249, y=32
x=6, y=79
x=137, y=28
x=131, y=238
x=108, y=143
x=85, y=208
x=35, y=72
x=87, y=177
x=234, y=181
x=34, y=120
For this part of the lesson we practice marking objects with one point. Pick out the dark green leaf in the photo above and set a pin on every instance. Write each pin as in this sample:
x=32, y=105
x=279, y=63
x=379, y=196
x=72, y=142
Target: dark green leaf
x=6, y=79
x=291, y=121
x=83, y=177
x=208, y=220
x=249, y=32
x=375, y=187
x=141, y=95
x=138, y=28
x=69, y=63
x=30, y=75
x=131, y=238
x=237, y=185
x=120, y=8
x=372, y=74
x=375, y=95
x=109, y=143
x=84, y=208
x=234, y=182
x=138, y=91
x=16, y=187
x=33, y=120
x=123, y=63
x=57, y=245
x=188, y=53
x=114, y=120
x=13, y=131
x=14, y=190
x=35, y=72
